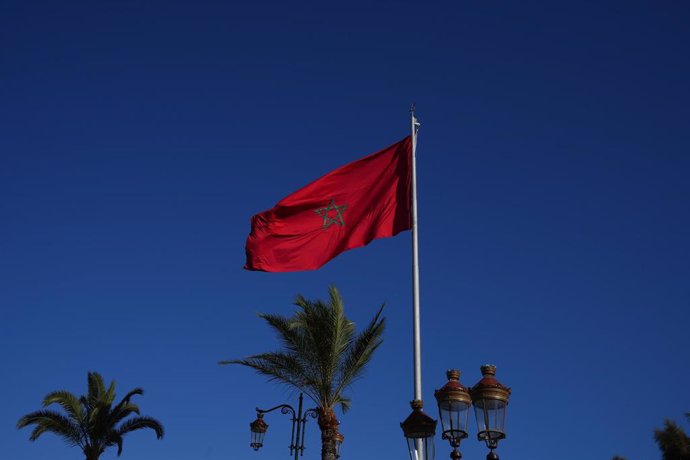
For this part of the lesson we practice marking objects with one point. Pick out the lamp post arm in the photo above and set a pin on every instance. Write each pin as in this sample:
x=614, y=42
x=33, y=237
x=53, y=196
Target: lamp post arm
x=313, y=413
x=284, y=408
x=288, y=409
x=299, y=420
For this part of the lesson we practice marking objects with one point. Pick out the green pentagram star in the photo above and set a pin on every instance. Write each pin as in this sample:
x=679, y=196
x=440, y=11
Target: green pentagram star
x=327, y=219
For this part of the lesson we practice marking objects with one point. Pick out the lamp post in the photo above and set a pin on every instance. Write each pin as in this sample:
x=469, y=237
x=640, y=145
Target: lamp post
x=489, y=397
x=259, y=427
x=453, y=407
x=490, y=400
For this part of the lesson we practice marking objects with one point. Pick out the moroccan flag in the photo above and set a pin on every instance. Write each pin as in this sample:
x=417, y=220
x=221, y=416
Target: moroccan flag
x=345, y=209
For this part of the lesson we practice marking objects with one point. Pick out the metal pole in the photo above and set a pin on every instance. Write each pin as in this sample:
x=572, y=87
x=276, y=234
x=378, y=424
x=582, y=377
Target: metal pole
x=299, y=427
x=415, y=266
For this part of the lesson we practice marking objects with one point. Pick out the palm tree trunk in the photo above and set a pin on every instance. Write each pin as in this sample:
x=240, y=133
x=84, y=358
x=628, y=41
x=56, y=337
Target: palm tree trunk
x=91, y=453
x=329, y=427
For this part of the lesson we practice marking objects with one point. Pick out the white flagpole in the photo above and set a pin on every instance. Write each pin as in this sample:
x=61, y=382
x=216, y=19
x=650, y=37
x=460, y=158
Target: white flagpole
x=415, y=266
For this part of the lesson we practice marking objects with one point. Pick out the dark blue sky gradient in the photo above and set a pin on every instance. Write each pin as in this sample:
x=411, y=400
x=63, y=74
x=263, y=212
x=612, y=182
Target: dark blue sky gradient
x=138, y=138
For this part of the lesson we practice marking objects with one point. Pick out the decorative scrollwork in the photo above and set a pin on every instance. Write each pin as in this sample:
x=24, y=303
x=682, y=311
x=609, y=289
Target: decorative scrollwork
x=284, y=408
x=299, y=420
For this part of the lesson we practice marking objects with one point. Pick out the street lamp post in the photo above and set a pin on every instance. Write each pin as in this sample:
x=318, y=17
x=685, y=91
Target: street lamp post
x=489, y=397
x=490, y=400
x=259, y=427
x=453, y=407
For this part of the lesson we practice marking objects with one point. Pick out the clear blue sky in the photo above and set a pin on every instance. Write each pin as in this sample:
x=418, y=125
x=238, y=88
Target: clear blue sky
x=138, y=138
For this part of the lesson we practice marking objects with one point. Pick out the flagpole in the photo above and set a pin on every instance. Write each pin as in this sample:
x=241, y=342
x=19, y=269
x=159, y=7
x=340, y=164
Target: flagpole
x=414, y=125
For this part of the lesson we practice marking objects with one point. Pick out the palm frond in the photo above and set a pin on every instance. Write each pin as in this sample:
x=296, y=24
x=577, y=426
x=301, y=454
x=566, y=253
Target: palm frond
x=361, y=351
x=54, y=422
x=344, y=403
x=316, y=346
x=140, y=423
x=96, y=387
x=134, y=392
x=672, y=441
x=69, y=402
x=124, y=408
x=120, y=413
x=343, y=334
x=115, y=439
x=284, y=329
x=110, y=393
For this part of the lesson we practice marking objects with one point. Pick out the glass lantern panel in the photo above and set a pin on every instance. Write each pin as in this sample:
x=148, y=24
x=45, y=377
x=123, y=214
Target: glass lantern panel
x=490, y=415
x=454, y=416
x=257, y=440
x=421, y=448
x=499, y=419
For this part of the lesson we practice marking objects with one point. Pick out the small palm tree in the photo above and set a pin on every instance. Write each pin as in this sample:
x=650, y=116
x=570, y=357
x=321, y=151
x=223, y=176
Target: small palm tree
x=90, y=422
x=672, y=441
x=321, y=357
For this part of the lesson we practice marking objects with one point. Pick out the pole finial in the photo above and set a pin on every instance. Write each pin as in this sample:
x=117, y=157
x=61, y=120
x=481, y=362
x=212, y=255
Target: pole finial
x=415, y=122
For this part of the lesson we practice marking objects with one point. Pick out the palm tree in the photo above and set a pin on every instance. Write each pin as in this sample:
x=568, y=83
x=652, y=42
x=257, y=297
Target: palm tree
x=672, y=441
x=321, y=357
x=90, y=422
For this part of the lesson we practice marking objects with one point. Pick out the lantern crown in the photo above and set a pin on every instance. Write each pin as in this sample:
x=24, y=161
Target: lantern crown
x=259, y=425
x=453, y=390
x=419, y=430
x=489, y=387
x=490, y=399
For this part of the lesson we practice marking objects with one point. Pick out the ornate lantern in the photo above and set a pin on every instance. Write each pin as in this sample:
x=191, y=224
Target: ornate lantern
x=453, y=408
x=339, y=438
x=419, y=430
x=258, y=428
x=490, y=399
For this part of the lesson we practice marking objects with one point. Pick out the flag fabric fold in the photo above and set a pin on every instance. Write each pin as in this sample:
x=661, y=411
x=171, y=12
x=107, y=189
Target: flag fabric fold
x=347, y=208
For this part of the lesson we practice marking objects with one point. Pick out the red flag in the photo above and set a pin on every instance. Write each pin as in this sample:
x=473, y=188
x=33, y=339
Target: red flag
x=345, y=209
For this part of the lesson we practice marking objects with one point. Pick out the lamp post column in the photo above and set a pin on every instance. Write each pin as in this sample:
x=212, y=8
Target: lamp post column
x=298, y=446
